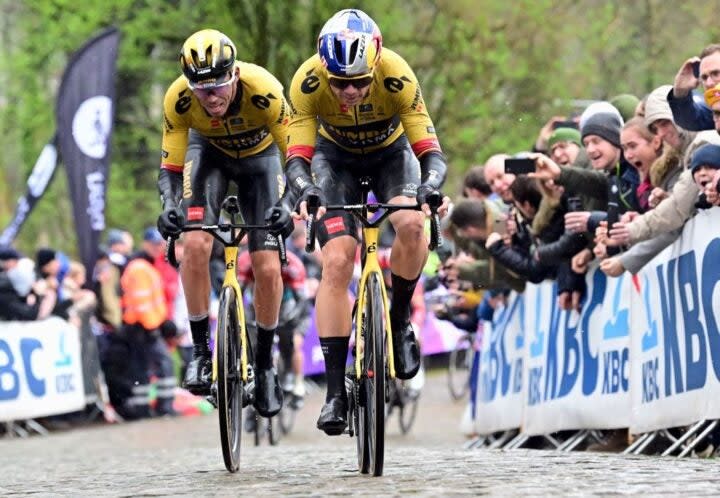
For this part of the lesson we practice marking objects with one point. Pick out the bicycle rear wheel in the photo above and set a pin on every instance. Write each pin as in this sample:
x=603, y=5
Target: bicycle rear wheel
x=229, y=379
x=371, y=419
x=459, y=368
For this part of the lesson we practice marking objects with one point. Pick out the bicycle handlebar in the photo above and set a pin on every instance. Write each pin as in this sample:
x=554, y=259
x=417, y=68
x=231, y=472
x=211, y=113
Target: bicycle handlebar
x=222, y=228
x=434, y=200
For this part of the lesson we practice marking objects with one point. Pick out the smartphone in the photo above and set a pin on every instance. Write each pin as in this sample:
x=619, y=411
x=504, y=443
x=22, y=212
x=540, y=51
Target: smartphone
x=613, y=214
x=500, y=226
x=696, y=69
x=564, y=124
x=574, y=204
x=519, y=166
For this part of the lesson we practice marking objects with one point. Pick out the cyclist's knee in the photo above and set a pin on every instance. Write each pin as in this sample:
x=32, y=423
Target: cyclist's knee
x=337, y=268
x=197, y=247
x=266, y=269
x=409, y=227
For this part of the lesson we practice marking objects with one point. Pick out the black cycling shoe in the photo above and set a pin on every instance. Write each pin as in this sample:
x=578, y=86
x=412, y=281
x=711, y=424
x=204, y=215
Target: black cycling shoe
x=406, y=352
x=198, y=376
x=268, y=395
x=333, y=416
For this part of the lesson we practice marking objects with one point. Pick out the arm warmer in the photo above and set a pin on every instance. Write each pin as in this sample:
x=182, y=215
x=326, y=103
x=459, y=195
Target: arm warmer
x=433, y=169
x=170, y=188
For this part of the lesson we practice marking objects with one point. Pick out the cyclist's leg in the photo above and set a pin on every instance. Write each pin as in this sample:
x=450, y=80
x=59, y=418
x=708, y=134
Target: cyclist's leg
x=337, y=232
x=208, y=185
x=298, y=360
x=258, y=179
x=397, y=179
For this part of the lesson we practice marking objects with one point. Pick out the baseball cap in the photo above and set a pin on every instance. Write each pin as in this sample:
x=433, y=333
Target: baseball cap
x=151, y=234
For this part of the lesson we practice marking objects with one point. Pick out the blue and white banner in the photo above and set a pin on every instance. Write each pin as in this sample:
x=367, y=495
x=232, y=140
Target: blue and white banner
x=578, y=365
x=40, y=369
x=500, y=395
x=676, y=338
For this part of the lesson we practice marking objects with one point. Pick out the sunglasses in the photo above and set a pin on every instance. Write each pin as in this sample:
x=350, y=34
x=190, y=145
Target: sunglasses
x=207, y=86
x=358, y=83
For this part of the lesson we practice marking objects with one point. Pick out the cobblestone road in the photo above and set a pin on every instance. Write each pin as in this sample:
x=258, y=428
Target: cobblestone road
x=181, y=457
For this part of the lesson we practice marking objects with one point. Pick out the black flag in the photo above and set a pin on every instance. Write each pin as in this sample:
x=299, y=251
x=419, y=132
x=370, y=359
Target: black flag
x=40, y=177
x=84, y=110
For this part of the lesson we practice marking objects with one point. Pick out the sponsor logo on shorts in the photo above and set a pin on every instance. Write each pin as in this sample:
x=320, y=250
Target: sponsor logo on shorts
x=196, y=213
x=410, y=189
x=334, y=225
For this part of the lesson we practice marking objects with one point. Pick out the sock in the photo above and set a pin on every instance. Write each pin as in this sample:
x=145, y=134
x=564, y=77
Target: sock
x=199, y=327
x=263, y=355
x=402, y=291
x=335, y=351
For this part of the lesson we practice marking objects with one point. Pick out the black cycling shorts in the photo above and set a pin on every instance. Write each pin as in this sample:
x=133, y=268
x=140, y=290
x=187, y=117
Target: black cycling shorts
x=258, y=178
x=393, y=170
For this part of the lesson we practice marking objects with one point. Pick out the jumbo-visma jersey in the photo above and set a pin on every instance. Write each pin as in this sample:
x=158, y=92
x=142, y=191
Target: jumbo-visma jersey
x=393, y=106
x=258, y=114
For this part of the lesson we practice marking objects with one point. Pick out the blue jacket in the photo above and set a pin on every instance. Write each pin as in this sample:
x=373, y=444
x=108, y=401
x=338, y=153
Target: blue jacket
x=690, y=114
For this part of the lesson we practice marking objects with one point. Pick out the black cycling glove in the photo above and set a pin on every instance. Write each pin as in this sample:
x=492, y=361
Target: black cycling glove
x=170, y=222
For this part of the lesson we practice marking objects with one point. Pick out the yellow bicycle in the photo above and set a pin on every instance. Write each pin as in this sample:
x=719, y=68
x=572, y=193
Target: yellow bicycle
x=374, y=364
x=232, y=376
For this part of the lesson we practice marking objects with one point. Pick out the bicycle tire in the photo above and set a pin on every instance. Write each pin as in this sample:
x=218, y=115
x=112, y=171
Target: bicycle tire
x=372, y=414
x=229, y=379
x=274, y=430
x=458, y=369
x=407, y=411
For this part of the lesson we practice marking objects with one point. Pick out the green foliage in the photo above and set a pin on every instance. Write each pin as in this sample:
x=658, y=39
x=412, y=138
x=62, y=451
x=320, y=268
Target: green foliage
x=492, y=72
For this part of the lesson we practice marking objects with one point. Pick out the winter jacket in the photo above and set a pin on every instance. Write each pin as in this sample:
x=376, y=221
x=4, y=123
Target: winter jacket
x=690, y=114
x=13, y=306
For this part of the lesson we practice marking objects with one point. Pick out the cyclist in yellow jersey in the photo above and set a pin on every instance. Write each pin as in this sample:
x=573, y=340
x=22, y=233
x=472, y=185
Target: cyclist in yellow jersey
x=357, y=110
x=224, y=121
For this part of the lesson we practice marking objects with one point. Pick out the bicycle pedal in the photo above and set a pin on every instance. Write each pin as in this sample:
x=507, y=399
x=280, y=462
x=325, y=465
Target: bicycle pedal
x=212, y=400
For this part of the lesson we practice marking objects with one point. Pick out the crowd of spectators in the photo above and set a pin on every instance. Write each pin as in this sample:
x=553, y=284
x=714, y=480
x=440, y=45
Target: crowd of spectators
x=611, y=183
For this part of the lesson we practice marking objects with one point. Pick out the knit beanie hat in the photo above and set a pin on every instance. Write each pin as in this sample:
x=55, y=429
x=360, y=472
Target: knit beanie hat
x=605, y=125
x=626, y=104
x=564, y=135
x=707, y=155
x=598, y=107
x=656, y=105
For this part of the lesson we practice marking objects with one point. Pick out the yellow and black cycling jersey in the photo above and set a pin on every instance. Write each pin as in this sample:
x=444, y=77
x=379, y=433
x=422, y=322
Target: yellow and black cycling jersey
x=393, y=106
x=258, y=115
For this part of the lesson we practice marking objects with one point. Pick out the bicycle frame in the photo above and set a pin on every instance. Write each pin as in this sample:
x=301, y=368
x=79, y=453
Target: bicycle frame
x=371, y=265
x=230, y=280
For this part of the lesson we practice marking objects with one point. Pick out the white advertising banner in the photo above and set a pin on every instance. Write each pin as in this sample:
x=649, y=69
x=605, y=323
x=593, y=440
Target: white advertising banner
x=40, y=369
x=675, y=378
x=578, y=364
x=499, y=394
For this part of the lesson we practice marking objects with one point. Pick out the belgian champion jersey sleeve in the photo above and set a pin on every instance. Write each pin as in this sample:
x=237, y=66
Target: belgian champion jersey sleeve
x=303, y=127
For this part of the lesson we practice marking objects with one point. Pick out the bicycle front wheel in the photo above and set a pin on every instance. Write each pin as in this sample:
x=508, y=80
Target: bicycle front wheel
x=229, y=379
x=371, y=419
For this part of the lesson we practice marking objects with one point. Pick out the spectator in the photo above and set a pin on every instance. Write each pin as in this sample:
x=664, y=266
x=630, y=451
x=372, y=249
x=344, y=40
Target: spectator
x=474, y=184
x=475, y=221
x=496, y=177
x=21, y=296
x=565, y=148
x=144, y=313
x=688, y=113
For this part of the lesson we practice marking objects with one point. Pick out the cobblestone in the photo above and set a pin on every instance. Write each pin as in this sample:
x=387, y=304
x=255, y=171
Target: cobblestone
x=181, y=457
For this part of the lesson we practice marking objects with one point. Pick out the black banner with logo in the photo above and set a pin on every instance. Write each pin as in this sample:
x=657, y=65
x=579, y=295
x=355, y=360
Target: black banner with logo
x=84, y=110
x=40, y=177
